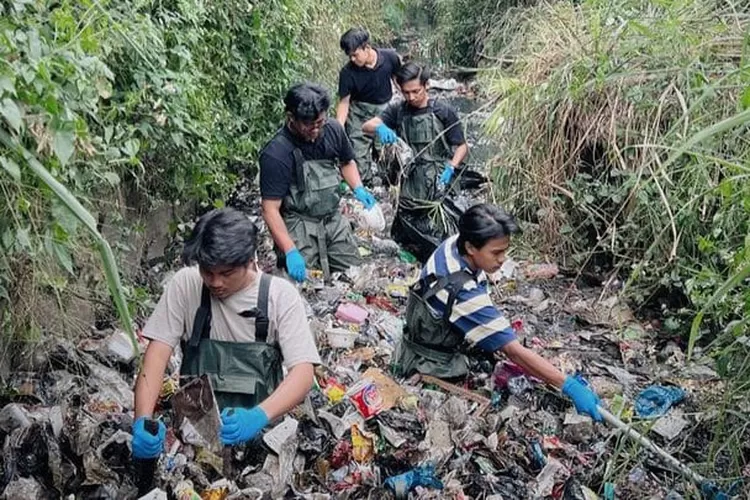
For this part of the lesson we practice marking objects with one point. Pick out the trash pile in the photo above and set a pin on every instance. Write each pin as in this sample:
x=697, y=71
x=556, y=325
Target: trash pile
x=499, y=434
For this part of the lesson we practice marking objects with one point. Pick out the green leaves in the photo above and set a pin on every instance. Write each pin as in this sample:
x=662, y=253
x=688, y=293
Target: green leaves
x=11, y=167
x=63, y=144
x=12, y=113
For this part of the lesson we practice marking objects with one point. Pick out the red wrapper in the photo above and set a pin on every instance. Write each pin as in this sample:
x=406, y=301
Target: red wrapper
x=367, y=399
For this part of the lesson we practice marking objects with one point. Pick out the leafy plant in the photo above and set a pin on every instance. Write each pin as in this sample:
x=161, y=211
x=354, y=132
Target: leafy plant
x=132, y=105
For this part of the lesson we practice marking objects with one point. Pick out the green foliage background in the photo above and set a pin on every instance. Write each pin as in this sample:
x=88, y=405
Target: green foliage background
x=140, y=102
x=621, y=131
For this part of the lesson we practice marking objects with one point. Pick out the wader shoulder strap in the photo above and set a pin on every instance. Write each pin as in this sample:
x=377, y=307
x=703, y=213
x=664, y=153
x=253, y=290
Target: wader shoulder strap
x=261, y=322
x=260, y=312
x=453, y=282
x=202, y=321
x=298, y=172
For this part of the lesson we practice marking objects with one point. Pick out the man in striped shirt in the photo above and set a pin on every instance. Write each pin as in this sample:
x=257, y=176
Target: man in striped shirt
x=450, y=306
x=473, y=312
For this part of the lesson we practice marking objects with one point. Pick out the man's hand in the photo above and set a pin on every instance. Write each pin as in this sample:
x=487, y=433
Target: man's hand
x=366, y=197
x=584, y=399
x=446, y=175
x=385, y=134
x=239, y=425
x=146, y=445
x=295, y=265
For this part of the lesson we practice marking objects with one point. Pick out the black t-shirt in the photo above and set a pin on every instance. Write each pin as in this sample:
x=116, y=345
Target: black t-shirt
x=454, y=135
x=277, y=156
x=370, y=85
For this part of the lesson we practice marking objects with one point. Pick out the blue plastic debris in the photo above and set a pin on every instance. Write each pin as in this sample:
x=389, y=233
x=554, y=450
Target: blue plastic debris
x=538, y=459
x=424, y=475
x=609, y=491
x=654, y=401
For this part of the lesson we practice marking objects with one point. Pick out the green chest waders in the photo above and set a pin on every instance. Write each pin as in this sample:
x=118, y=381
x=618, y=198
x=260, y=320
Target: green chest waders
x=431, y=345
x=312, y=217
x=362, y=144
x=241, y=373
x=424, y=133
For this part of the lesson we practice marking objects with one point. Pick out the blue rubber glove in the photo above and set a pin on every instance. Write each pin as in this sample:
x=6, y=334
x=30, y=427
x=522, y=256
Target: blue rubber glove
x=385, y=134
x=366, y=197
x=146, y=445
x=447, y=174
x=295, y=265
x=239, y=425
x=584, y=399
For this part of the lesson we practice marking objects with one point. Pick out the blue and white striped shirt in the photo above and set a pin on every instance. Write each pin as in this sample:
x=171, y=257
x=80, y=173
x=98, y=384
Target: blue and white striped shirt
x=473, y=311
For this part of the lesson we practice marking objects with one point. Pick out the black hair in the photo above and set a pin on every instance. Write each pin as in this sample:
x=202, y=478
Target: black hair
x=482, y=223
x=410, y=71
x=222, y=237
x=306, y=101
x=354, y=39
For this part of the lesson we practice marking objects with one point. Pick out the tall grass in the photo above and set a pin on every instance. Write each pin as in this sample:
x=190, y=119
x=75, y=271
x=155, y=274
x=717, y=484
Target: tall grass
x=623, y=132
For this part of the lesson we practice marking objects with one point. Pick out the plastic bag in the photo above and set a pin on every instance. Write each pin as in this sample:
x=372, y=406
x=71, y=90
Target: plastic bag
x=372, y=219
x=654, y=401
x=420, y=226
x=421, y=476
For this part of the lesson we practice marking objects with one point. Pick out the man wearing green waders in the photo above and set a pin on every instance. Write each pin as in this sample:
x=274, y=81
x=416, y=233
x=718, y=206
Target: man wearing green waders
x=432, y=130
x=300, y=168
x=235, y=324
x=450, y=309
x=364, y=91
x=429, y=126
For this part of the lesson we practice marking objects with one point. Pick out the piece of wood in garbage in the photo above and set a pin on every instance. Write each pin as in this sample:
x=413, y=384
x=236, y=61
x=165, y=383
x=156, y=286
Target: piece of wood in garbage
x=454, y=389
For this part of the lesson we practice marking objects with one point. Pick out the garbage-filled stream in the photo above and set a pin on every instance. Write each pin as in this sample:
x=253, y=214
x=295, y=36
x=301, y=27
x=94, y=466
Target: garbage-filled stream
x=499, y=434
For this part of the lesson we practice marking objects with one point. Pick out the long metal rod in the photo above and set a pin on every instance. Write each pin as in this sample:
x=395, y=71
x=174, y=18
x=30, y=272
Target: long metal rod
x=647, y=443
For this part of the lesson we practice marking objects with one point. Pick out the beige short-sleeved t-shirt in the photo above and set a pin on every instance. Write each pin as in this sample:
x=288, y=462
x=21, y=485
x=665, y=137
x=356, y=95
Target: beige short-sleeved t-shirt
x=173, y=318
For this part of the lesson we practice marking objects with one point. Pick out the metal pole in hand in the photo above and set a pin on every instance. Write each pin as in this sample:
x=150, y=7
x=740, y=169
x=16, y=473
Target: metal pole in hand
x=647, y=443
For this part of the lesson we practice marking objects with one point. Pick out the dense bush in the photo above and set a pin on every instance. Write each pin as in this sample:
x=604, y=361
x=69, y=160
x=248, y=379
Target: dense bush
x=164, y=101
x=623, y=129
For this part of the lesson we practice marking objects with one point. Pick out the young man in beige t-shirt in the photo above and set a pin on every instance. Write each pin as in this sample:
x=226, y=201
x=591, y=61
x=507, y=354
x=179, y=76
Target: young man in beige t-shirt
x=223, y=244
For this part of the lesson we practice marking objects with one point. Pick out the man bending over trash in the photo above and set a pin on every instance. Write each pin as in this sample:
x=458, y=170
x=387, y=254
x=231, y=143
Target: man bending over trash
x=451, y=305
x=235, y=324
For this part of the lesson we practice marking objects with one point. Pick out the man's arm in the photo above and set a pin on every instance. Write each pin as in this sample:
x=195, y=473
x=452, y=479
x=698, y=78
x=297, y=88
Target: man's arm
x=459, y=154
x=351, y=175
x=389, y=117
x=274, y=221
x=290, y=392
x=342, y=110
x=148, y=385
x=370, y=125
x=533, y=363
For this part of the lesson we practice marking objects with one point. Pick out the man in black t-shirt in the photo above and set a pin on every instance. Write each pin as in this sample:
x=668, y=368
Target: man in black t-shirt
x=429, y=126
x=364, y=91
x=299, y=186
x=432, y=130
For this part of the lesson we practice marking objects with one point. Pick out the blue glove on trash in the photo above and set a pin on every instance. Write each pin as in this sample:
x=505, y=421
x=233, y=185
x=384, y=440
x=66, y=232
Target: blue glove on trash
x=295, y=265
x=447, y=174
x=366, y=197
x=146, y=445
x=385, y=134
x=584, y=399
x=239, y=425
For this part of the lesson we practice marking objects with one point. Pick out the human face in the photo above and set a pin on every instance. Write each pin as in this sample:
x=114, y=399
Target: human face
x=415, y=93
x=490, y=257
x=360, y=56
x=224, y=281
x=308, y=131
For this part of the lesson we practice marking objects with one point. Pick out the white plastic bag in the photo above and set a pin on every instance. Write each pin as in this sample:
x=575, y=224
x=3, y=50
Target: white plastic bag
x=372, y=219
